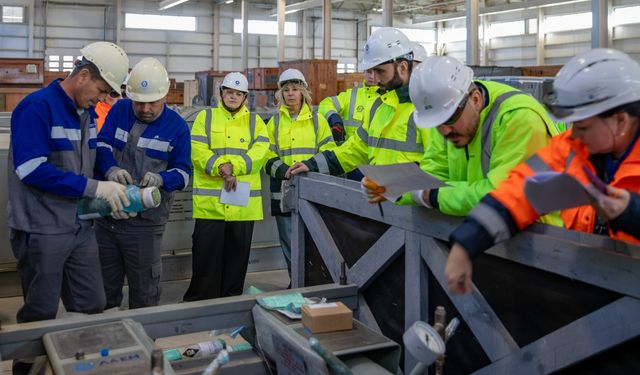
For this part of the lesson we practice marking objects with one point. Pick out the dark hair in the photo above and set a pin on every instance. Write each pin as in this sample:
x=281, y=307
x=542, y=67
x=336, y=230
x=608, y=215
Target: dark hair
x=94, y=72
x=633, y=109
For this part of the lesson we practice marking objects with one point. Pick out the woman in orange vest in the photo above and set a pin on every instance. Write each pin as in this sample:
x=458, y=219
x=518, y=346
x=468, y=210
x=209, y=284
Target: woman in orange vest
x=599, y=92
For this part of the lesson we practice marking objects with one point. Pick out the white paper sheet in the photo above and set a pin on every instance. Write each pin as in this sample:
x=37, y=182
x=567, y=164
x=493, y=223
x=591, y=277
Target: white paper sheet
x=552, y=191
x=398, y=179
x=240, y=197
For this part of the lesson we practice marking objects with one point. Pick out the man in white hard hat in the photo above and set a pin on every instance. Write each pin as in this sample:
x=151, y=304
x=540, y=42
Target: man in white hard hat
x=419, y=54
x=145, y=143
x=388, y=134
x=51, y=161
x=599, y=92
x=228, y=150
x=479, y=131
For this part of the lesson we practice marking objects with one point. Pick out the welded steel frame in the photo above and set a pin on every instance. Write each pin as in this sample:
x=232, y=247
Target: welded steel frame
x=25, y=340
x=594, y=260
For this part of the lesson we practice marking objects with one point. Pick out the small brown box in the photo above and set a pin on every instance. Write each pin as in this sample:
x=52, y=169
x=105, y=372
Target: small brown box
x=327, y=317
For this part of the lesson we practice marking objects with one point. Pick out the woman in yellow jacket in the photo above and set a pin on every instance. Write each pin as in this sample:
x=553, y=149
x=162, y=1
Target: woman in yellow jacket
x=228, y=148
x=296, y=133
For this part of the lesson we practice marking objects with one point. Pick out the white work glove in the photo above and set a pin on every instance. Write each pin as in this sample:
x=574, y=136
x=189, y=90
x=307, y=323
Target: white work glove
x=114, y=193
x=418, y=196
x=151, y=179
x=119, y=175
x=123, y=215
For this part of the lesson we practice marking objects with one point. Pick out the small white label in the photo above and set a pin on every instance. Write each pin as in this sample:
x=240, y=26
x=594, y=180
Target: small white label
x=323, y=305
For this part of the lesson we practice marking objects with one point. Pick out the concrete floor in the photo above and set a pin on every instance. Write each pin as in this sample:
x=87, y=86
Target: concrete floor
x=172, y=292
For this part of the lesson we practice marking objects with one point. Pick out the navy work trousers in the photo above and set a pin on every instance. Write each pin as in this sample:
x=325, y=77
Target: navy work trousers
x=54, y=266
x=134, y=253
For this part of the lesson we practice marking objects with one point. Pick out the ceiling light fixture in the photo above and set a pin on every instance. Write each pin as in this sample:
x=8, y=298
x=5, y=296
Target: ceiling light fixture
x=166, y=4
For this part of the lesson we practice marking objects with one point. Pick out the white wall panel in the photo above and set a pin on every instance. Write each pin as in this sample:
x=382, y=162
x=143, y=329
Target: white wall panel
x=71, y=27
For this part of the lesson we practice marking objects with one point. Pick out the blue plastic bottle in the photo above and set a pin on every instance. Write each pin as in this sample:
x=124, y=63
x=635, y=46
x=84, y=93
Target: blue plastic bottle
x=140, y=199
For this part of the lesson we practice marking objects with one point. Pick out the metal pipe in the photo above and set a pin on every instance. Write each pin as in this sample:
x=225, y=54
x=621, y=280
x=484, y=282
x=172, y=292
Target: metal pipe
x=599, y=29
x=216, y=38
x=472, y=17
x=281, y=19
x=244, y=10
x=387, y=13
x=326, y=30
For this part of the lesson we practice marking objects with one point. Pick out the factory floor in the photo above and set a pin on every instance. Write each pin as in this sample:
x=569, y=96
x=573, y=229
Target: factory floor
x=172, y=292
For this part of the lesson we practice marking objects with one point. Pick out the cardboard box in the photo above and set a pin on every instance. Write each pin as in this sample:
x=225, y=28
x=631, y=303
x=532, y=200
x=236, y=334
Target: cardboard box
x=327, y=317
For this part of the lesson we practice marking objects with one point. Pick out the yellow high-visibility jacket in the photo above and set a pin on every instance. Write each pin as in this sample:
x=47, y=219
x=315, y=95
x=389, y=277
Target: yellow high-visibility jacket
x=293, y=141
x=387, y=136
x=350, y=105
x=219, y=137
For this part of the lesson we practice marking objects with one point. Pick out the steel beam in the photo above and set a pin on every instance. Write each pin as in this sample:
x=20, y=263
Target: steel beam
x=376, y=259
x=24, y=340
x=604, y=328
x=492, y=335
x=322, y=238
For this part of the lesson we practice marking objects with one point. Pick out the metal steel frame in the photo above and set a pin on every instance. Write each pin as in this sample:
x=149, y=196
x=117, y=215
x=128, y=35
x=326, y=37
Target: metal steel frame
x=594, y=260
x=24, y=340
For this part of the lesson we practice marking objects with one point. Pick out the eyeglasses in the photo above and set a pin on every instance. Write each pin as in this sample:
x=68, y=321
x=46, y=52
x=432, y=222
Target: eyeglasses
x=456, y=115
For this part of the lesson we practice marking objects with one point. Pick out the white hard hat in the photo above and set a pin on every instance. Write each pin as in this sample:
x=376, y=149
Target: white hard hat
x=419, y=53
x=291, y=75
x=111, y=61
x=385, y=44
x=148, y=81
x=437, y=87
x=236, y=81
x=593, y=82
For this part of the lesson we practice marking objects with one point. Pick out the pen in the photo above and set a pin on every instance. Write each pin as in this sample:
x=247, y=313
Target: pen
x=380, y=208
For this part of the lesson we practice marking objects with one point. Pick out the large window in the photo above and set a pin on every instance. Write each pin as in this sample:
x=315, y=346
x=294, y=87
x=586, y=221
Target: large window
x=346, y=68
x=625, y=15
x=567, y=22
x=265, y=27
x=58, y=63
x=157, y=22
x=500, y=29
x=12, y=14
x=416, y=35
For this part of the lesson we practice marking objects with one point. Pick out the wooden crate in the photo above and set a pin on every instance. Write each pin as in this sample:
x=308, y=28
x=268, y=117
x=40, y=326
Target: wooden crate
x=349, y=80
x=51, y=76
x=321, y=75
x=261, y=99
x=541, y=71
x=191, y=89
x=13, y=96
x=21, y=72
x=175, y=96
x=263, y=78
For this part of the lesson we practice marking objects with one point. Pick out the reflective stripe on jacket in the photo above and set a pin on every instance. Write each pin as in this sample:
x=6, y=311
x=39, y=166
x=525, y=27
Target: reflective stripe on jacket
x=567, y=155
x=161, y=146
x=351, y=105
x=512, y=127
x=292, y=141
x=387, y=136
x=219, y=137
x=51, y=160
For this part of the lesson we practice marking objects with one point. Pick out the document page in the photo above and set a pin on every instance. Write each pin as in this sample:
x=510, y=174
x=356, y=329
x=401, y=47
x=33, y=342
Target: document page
x=240, y=197
x=398, y=179
x=552, y=191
